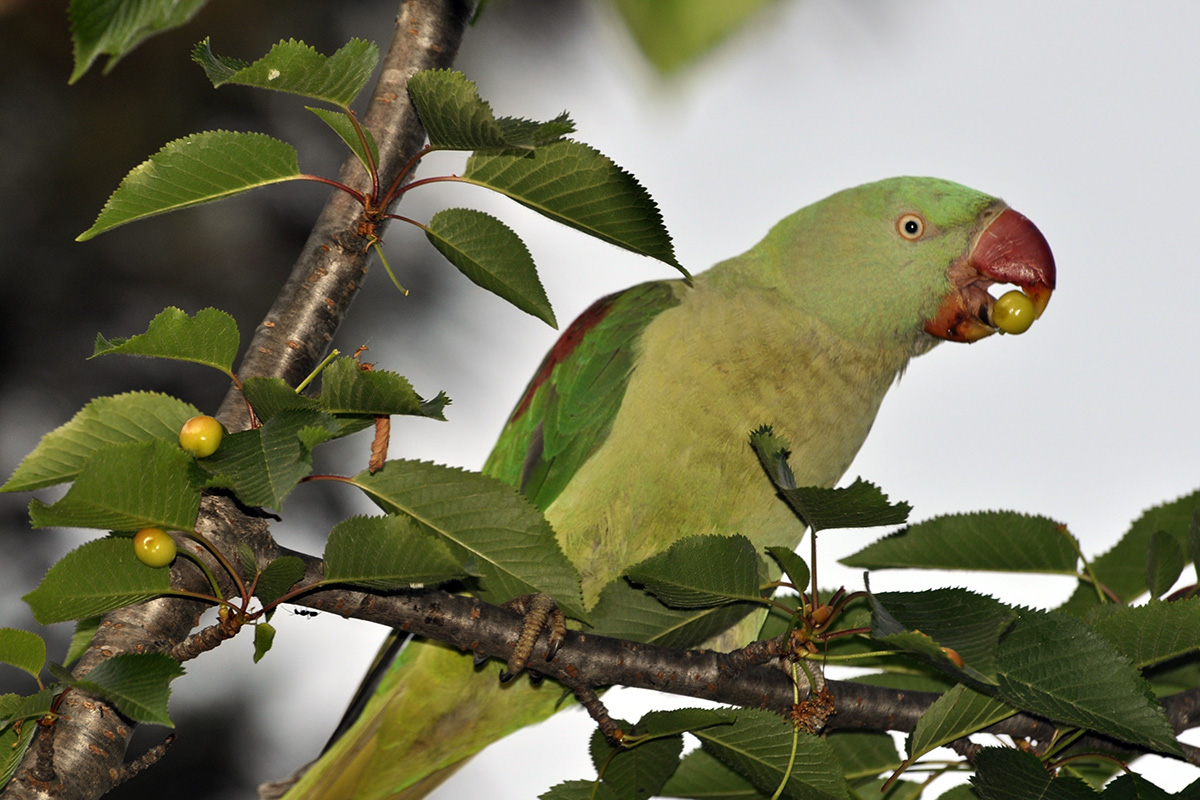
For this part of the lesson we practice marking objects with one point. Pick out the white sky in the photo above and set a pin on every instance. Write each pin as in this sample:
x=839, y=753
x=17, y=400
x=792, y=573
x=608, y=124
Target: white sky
x=1082, y=115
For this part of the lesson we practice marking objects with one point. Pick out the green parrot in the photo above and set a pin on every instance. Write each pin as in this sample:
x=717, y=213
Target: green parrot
x=634, y=430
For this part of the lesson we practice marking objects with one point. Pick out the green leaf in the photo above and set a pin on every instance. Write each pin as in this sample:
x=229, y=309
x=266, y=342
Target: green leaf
x=1039, y=671
x=793, y=565
x=578, y=186
x=486, y=523
x=346, y=388
x=14, y=742
x=342, y=125
x=492, y=256
x=264, y=637
x=455, y=118
x=270, y=396
x=278, y=578
x=126, y=487
x=138, y=684
x=957, y=713
x=860, y=505
x=391, y=552
x=115, y=27
x=1005, y=773
x=210, y=338
x=296, y=68
x=1003, y=541
x=264, y=464
x=99, y=576
x=132, y=417
x=863, y=754
x=683, y=720
x=579, y=790
x=23, y=650
x=1123, y=568
x=759, y=745
x=1154, y=632
x=639, y=771
x=969, y=623
x=702, y=777
x=624, y=612
x=701, y=571
x=1164, y=563
x=193, y=170
x=674, y=33
x=85, y=629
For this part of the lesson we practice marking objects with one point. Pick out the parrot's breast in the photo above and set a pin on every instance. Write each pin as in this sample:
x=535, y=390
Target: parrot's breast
x=677, y=461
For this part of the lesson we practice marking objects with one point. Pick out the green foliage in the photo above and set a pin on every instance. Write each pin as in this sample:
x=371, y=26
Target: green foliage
x=210, y=338
x=278, y=578
x=1037, y=667
x=343, y=125
x=296, y=68
x=24, y=650
x=138, y=684
x=766, y=749
x=492, y=256
x=1122, y=570
x=132, y=417
x=194, y=170
x=1152, y=633
x=264, y=637
x=97, y=577
x=628, y=613
x=578, y=186
x=955, y=714
x=456, y=118
x=348, y=390
x=1003, y=541
x=115, y=27
x=494, y=531
x=262, y=465
x=390, y=552
x=1006, y=774
x=128, y=486
x=701, y=572
x=674, y=33
x=860, y=505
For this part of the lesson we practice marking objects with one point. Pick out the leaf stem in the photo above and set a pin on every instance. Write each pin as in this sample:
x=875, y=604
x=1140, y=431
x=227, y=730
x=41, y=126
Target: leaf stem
x=334, y=353
x=357, y=195
x=372, y=167
x=224, y=562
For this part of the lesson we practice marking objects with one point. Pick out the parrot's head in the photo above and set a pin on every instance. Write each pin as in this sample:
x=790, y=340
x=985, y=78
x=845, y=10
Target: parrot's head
x=911, y=261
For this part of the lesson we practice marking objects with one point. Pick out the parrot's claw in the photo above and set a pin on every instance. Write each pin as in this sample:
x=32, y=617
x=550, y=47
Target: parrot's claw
x=541, y=614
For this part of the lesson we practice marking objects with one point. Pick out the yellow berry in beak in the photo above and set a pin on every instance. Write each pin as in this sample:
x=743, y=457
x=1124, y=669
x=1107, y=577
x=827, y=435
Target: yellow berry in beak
x=1013, y=312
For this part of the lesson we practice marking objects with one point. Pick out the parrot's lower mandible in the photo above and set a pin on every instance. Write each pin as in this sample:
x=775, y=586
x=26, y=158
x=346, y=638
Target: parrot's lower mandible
x=634, y=430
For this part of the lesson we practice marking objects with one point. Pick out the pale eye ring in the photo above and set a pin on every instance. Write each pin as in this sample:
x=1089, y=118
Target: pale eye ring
x=910, y=226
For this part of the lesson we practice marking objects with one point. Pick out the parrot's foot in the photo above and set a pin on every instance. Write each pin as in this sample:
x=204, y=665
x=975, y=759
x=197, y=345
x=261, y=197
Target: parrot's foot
x=541, y=614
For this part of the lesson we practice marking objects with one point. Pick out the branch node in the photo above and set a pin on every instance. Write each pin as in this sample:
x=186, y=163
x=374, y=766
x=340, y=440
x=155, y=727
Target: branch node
x=146, y=759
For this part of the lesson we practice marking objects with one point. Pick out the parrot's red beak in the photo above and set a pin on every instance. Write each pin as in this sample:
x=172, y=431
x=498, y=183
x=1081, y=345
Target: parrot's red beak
x=1009, y=249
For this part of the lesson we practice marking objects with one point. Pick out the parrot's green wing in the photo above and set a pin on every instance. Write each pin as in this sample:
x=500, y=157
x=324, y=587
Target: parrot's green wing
x=569, y=406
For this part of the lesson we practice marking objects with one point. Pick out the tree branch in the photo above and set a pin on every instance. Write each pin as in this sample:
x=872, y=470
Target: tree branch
x=86, y=756
x=593, y=661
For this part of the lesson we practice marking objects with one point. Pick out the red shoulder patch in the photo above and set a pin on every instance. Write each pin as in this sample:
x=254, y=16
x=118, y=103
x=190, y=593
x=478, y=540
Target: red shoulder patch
x=565, y=345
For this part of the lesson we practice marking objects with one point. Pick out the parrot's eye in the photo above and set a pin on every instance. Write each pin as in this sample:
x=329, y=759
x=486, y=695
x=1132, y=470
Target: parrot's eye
x=910, y=226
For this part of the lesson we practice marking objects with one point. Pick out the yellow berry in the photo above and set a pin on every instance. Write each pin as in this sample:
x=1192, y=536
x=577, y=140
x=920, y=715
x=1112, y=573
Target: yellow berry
x=1013, y=312
x=201, y=436
x=154, y=547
